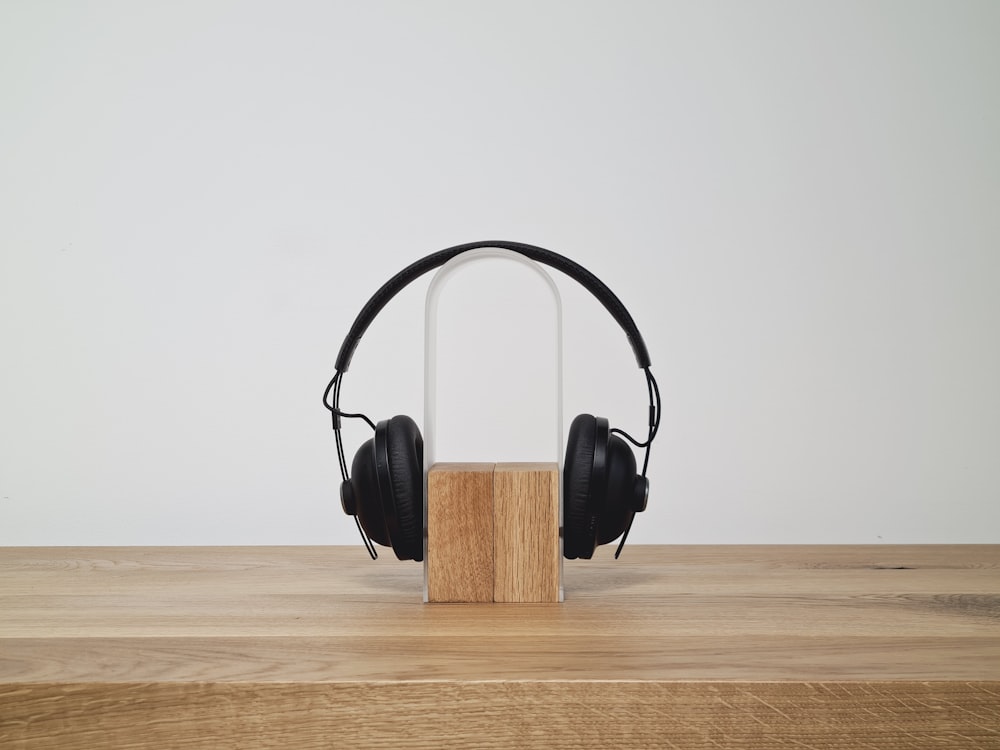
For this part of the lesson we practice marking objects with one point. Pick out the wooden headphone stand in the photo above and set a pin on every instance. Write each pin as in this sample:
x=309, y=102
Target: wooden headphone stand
x=493, y=533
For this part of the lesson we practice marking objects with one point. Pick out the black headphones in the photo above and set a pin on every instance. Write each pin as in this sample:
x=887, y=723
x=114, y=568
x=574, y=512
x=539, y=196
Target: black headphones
x=601, y=490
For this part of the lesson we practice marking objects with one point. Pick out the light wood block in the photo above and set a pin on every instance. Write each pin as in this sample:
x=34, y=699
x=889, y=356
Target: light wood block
x=757, y=648
x=493, y=532
x=526, y=532
x=460, y=532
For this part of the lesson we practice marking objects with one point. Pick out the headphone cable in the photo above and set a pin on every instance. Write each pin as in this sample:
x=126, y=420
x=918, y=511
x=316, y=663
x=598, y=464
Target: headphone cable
x=654, y=419
x=654, y=427
x=336, y=414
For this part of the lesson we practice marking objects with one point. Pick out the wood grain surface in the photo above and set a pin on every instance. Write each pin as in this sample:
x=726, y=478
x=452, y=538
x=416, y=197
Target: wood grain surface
x=526, y=532
x=683, y=647
x=460, y=532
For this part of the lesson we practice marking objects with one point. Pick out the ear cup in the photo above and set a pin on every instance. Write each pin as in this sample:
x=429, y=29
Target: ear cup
x=619, y=507
x=599, y=487
x=580, y=514
x=404, y=456
x=367, y=500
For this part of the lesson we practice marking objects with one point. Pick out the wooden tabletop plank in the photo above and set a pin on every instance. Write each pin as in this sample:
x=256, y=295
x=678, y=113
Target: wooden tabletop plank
x=522, y=658
x=651, y=592
x=504, y=716
x=751, y=647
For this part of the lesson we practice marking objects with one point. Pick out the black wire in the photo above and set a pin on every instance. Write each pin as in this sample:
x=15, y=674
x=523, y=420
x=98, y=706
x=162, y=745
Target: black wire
x=654, y=427
x=340, y=413
x=624, y=536
x=334, y=408
x=329, y=387
x=336, y=427
x=369, y=545
x=654, y=406
x=636, y=443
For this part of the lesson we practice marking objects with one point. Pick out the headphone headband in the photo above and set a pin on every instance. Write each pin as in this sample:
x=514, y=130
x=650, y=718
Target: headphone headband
x=572, y=269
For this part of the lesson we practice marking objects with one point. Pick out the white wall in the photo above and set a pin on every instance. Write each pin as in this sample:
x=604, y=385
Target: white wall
x=798, y=201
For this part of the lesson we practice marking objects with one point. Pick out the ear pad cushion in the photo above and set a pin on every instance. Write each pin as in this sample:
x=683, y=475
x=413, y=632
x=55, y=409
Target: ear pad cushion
x=406, y=473
x=368, y=501
x=578, y=528
x=618, y=508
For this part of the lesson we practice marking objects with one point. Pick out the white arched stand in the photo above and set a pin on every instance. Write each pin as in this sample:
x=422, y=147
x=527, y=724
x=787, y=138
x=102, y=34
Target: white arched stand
x=492, y=531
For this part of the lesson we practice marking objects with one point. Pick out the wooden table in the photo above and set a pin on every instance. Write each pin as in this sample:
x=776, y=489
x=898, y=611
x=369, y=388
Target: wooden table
x=676, y=647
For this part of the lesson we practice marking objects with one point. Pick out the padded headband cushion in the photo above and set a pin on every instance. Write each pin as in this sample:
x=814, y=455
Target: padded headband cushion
x=579, y=531
x=559, y=262
x=406, y=470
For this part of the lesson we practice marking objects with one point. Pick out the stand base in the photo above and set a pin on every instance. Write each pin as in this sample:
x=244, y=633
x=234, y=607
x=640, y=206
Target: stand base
x=493, y=532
